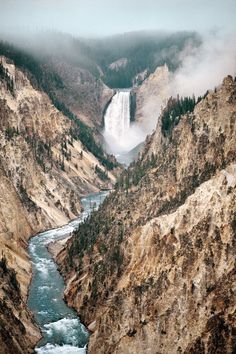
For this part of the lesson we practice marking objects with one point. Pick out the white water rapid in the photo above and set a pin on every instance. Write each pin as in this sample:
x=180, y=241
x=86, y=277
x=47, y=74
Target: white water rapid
x=62, y=332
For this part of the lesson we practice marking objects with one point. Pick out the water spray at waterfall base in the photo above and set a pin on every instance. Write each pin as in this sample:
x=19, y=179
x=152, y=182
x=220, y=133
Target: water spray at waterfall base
x=120, y=135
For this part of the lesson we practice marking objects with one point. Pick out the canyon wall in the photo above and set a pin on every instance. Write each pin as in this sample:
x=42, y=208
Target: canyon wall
x=18, y=332
x=44, y=170
x=154, y=270
x=86, y=95
x=151, y=96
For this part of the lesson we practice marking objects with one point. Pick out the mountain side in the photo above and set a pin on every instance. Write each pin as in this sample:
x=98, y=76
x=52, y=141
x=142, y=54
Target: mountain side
x=158, y=274
x=69, y=83
x=150, y=96
x=44, y=170
x=42, y=154
x=85, y=95
x=18, y=332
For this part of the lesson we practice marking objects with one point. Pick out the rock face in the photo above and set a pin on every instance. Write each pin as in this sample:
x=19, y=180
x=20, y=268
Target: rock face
x=159, y=273
x=85, y=95
x=44, y=170
x=18, y=332
x=120, y=63
x=151, y=95
x=48, y=167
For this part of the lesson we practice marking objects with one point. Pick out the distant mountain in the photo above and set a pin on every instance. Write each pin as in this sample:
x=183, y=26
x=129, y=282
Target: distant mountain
x=78, y=74
x=139, y=51
x=118, y=59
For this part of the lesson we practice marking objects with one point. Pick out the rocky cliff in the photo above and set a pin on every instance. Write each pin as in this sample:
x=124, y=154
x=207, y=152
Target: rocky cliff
x=154, y=270
x=151, y=95
x=42, y=155
x=44, y=170
x=85, y=95
x=18, y=332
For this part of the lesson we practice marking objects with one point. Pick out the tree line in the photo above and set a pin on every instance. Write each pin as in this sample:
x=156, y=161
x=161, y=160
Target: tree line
x=175, y=108
x=6, y=77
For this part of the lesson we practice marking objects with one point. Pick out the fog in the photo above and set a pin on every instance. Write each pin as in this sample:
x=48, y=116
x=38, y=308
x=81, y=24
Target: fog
x=205, y=68
x=201, y=69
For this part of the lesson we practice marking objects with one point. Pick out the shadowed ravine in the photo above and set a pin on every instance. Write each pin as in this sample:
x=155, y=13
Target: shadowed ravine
x=61, y=328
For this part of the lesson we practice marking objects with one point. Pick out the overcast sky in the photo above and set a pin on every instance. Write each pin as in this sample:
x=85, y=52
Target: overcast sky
x=105, y=17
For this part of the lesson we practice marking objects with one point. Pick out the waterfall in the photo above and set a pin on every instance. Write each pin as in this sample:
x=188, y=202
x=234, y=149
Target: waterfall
x=117, y=122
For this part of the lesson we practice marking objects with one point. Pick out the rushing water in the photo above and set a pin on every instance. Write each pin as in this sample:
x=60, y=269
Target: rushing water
x=122, y=138
x=61, y=329
x=117, y=121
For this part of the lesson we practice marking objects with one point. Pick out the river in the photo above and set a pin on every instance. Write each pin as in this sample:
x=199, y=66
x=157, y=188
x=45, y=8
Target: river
x=61, y=328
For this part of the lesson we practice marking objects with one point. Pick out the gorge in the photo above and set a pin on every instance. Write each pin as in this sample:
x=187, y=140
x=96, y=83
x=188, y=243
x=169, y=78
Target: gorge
x=117, y=230
x=45, y=169
x=61, y=329
x=158, y=274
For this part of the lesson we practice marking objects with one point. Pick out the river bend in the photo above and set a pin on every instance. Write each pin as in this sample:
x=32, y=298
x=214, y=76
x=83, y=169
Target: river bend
x=61, y=328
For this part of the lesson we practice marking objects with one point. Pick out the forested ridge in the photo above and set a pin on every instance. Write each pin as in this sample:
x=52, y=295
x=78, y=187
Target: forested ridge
x=142, y=51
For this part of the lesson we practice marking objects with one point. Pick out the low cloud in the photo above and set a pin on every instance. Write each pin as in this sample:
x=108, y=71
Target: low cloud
x=205, y=67
x=202, y=68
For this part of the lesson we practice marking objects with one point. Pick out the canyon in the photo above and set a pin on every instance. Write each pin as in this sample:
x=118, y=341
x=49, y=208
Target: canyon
x=153, y=271
x=44, y=171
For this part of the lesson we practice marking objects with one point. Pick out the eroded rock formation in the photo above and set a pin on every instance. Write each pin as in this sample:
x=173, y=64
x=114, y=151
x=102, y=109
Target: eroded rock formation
x=86, y=95
x=151, y=95
x=44, y=170
x=154, y=270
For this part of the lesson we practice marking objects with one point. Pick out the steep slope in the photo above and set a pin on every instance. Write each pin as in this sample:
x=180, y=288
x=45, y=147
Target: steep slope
x=18, y=332
x=154, y=271
x=85, y=95
x=44, y=170
x=48, y=165
x=73, y=87
x=151, y=95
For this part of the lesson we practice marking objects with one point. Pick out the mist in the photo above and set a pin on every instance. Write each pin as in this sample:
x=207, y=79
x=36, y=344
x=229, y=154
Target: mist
x=71, y=29
x=205, y=68
x=201, y=69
